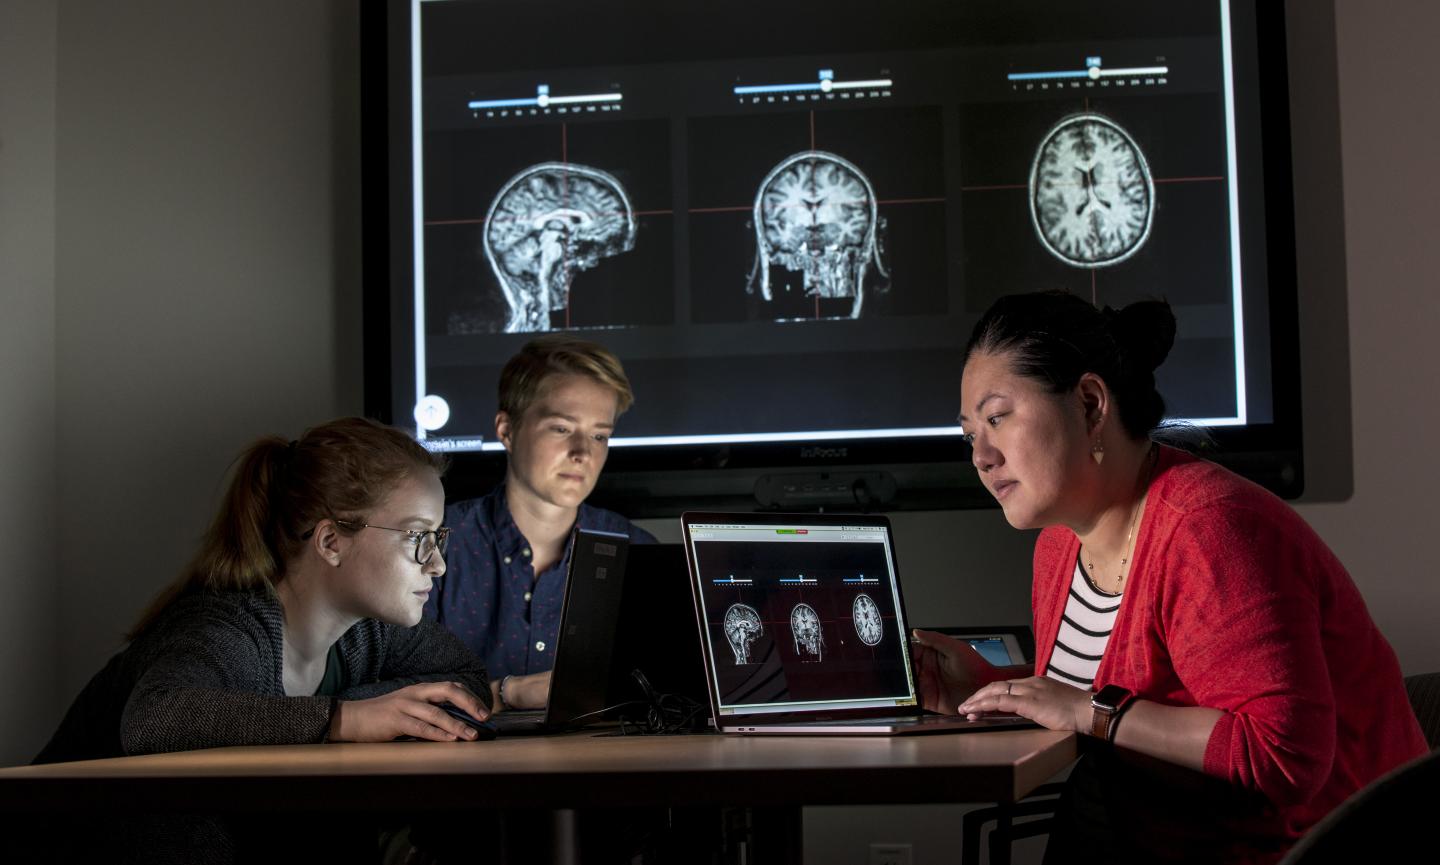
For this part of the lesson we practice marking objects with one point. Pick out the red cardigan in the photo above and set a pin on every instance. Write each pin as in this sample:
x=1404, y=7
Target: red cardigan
x=1234, y=603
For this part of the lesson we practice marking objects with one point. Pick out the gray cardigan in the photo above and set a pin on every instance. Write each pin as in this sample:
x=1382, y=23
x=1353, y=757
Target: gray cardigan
x=209, y=672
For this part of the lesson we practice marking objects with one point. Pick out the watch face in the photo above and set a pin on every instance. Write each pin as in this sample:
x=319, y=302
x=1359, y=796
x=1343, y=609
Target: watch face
x=1110, y=697
x=1092, y=198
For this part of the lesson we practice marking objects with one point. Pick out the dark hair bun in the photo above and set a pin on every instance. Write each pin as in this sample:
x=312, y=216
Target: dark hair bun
x=1144, y=331
x=1054, y=338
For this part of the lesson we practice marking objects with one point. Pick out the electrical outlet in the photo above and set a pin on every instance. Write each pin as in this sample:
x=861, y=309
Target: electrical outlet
x=891, y=854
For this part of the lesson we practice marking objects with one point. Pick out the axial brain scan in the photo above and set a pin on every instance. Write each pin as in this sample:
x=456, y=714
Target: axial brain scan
x=868, y=626
x=1092, y=198
x=805, y=626
x=815, y=214
x=742, y=627
x=547, y=223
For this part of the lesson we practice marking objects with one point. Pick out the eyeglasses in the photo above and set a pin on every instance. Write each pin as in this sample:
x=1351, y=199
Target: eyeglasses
x=426, y=543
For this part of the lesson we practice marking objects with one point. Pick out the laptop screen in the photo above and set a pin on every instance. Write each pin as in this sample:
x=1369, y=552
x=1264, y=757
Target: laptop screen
x=802, y=617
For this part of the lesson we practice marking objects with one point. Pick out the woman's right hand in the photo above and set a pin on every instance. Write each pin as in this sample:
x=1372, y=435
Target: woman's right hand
x=410, y=711
x=949, y=670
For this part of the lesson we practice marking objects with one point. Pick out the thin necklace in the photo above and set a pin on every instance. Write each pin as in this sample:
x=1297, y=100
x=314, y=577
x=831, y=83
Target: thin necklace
x=1151, y=458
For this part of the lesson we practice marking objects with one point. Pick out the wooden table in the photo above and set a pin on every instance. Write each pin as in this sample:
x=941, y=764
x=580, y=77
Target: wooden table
x=769, y=777
x=572, y=771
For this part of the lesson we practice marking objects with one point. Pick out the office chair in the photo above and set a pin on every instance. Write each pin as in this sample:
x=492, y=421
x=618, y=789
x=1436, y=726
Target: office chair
x=1389, y=817
x=1041, y=802
x=1348, y=841
x=1391, y=811
x=1424, y=692
x=1040, y=805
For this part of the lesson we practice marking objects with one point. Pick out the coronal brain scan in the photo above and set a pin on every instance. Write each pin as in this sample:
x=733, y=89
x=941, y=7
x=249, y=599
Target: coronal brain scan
x=866, y=615
x=546, y=224
x=1092, y=198
x=805, y=626
x=742, y=627
x=815, y=215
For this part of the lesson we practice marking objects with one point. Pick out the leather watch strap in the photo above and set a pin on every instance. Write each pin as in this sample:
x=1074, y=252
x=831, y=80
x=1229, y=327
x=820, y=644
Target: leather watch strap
x=1105, y=709
x=1100, y=721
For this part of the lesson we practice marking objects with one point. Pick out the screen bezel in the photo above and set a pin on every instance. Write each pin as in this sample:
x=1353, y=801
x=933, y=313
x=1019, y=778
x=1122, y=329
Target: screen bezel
x=690, y=518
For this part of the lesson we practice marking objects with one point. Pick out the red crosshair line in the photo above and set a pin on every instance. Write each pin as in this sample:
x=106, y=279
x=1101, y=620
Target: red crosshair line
x=812, y=147
x=565, y=202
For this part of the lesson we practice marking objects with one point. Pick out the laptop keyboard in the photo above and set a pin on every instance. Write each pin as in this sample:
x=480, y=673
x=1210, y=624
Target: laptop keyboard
x=518, y=721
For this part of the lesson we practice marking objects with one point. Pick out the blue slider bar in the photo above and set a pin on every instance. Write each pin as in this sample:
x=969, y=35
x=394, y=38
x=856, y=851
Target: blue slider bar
x=775, y=88
x=502, y=103
x=826, y=84
x=543, y=99
x=1035, y=76
x=1095, y=72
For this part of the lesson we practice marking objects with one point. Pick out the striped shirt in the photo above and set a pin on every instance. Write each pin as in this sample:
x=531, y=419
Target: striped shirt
x=1084, y=632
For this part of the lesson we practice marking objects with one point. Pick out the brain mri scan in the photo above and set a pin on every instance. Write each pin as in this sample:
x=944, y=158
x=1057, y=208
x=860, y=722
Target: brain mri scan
x=1092, y=198
x=866, y=615
x=816, y=215
x=546, y=224
x=742, y=627
x=805, y=626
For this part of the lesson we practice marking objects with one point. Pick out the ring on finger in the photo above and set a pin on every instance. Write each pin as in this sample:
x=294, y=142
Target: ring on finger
x=1008, y=686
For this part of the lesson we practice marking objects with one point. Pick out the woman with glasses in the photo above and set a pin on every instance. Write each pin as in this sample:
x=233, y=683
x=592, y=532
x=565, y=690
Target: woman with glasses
x=299, y=619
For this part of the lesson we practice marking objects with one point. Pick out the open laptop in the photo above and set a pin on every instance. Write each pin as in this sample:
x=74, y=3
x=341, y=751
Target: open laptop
x=588, y=617
x=803, y=627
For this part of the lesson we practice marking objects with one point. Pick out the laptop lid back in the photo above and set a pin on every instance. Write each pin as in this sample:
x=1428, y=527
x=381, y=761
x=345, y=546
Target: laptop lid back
x=656, y=631
x=588, y=618
x=800, y=616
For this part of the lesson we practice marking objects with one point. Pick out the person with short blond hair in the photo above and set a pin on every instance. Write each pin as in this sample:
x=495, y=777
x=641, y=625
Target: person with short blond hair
x=559, y=399
x=526, y=374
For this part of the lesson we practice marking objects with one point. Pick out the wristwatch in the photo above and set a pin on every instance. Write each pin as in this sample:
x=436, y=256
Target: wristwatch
x=1108, y=704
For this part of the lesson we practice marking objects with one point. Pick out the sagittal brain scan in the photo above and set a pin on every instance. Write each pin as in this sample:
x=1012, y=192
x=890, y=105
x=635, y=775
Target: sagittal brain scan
x=816, y=215
x=546, y=224
x=866, y=615
x=1092, y=198
x=742, y=627
x=805, y=626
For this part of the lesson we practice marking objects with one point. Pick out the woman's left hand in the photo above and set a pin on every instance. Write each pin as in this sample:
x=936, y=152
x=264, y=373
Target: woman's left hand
x=1049, y=703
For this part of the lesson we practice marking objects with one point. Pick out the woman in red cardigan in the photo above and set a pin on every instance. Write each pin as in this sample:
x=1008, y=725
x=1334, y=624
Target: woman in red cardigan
x=1181, y=613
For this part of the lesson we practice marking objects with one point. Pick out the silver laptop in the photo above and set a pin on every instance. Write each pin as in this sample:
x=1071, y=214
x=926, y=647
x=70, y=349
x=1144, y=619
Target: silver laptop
x=803, y=627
